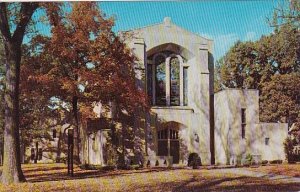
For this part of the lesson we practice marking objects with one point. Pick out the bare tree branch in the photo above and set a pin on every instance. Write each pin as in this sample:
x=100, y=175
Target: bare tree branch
x=27, y=9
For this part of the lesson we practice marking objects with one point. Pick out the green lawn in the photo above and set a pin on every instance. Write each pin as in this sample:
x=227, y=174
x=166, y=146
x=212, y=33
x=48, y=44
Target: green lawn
x=53, y=177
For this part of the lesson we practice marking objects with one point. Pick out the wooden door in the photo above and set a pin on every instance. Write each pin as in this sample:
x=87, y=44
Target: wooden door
x=174, y=150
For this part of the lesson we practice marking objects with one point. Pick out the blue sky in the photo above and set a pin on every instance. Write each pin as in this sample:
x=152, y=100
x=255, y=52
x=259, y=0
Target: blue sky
x=223, y=21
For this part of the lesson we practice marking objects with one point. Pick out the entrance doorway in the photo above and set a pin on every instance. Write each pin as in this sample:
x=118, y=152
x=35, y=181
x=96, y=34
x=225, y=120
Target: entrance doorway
x=168, y=144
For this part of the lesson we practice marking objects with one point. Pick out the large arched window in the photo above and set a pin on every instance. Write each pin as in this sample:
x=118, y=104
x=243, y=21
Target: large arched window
x=167, y=80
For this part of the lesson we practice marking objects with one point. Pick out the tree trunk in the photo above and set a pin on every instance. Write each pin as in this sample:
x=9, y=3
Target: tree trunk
x=36, y=152
x=2, y=127
x=12, y=172
x=59, y=147
x=76, y=134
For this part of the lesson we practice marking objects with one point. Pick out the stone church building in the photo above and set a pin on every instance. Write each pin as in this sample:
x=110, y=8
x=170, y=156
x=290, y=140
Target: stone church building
x=176, y=69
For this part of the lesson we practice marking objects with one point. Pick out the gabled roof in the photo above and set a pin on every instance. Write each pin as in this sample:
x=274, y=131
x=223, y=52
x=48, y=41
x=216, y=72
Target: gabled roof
x=166, y=22
x=167, y=33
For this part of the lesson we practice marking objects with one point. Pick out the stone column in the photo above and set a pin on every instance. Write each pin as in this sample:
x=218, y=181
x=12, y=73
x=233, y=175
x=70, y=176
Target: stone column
x=140, y=63
x=168, y=82
x=139, y=48
x=204, y=98
x=153, y=84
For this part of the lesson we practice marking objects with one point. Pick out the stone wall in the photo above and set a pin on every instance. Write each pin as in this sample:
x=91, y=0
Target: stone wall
x=229, y=144
x=275, y=133
x=230, y=147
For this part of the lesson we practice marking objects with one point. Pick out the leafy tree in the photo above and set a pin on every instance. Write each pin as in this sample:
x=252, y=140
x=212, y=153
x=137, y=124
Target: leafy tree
x=288, y=12
x=14, y=19
x=267, y=65
x=235, y=67
x=280, y=99
x=82, y=63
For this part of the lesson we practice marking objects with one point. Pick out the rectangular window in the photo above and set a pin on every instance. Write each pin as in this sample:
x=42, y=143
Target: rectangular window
x=32, y=154
x=185, y=86
x=243, y=116
x=267, y=141
x=54, y=133
x=40, y=155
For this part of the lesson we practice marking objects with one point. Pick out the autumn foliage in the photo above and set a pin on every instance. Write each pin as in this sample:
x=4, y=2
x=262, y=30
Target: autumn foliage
x=80, y=64
x=83, y=60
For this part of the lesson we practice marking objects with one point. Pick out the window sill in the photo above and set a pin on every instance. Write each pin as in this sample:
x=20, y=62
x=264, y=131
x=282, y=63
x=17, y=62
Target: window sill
x=173, y=107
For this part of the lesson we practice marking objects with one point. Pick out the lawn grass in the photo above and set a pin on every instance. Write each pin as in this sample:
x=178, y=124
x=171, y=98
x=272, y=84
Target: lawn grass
x=292, y=170
x=53, y=177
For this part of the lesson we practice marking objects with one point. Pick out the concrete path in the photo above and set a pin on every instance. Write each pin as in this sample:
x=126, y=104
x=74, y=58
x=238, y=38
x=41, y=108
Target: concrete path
x=249, y=173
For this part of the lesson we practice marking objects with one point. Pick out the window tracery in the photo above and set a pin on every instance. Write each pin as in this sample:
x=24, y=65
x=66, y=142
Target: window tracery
x=167, y=80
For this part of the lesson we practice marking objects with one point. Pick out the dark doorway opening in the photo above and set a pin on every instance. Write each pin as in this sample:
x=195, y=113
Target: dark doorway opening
x=168, y=144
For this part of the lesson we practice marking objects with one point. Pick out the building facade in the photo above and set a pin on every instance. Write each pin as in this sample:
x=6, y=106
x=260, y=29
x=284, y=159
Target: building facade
x=175, y=68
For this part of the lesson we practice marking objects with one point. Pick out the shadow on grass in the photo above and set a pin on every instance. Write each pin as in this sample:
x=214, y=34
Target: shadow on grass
x=197, y=181
x=244, y=184
x=220, y=184
x=44, y=175
x=27, y=170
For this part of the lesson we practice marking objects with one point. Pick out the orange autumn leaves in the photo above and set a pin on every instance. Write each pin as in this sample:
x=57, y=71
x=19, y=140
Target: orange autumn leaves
x=83, y=58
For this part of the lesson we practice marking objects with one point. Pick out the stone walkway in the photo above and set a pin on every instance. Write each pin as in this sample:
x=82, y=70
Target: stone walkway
x=249, y=173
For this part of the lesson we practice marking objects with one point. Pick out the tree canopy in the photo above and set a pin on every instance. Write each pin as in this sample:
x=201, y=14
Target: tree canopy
x=80, y=63
x=271, y=65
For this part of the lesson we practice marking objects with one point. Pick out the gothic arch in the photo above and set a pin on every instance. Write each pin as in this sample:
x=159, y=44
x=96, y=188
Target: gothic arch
x=171, y=47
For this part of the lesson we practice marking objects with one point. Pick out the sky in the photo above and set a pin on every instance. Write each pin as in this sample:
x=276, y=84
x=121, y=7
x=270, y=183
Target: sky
x=223, y=21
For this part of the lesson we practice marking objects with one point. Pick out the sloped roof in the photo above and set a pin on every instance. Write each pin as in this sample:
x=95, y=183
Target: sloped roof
x=166, y=22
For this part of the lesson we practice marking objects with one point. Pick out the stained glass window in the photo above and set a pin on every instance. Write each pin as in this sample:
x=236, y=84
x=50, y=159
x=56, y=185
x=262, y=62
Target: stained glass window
x=160, y=83
x=185, y=86
x=158, y=77
x=174, y=81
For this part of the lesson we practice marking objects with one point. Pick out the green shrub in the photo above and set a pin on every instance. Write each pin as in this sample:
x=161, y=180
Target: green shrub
x=135, y=167
x=289, y=144
x=62, y=160
x=83, y=166
x=96, y=167
x=276, y=161
x=249, y=157
x=194, y=160
x=108, y=168
x=264, y=162
x=246, y=162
